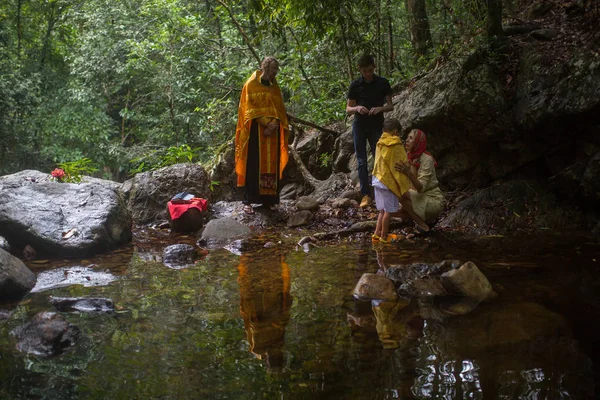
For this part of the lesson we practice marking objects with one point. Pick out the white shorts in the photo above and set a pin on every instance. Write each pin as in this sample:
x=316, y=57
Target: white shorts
x=386, y=200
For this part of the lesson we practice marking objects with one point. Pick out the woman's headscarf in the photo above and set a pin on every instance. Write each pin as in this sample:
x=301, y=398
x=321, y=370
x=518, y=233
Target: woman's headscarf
x=419, y=147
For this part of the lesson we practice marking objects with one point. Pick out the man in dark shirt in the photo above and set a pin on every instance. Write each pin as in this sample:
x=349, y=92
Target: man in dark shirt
x=368, y=98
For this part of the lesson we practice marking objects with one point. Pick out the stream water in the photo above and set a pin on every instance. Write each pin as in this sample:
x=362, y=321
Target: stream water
x=281, y=323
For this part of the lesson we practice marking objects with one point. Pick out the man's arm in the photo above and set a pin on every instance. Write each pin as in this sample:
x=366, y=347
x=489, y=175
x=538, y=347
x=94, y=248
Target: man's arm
x=352, y=108
x=389, y=106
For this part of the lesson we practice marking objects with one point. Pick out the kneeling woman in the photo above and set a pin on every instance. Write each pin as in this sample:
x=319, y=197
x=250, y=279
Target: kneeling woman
x=425, y=201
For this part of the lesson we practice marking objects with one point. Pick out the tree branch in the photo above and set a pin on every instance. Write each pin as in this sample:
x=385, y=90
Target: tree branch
x=311, y=124
x=240, y=29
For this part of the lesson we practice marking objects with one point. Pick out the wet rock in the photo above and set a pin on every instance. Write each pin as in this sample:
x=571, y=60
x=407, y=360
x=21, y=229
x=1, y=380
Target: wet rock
x=69, y=276
x=355, y=195
x=544, y=34
x=238, y=247
x=16, y=280
x=224, y=230
x=223, y=174
x=306, y=239
x=299, y=218
x=509, y=207
x=4, y=245
x=289, y=191
x=341, y=203
x=47, y=334
x=83, y=304
x=307, y=203
x=63, y=219
x=344, y=152
x=468, y=281
x=375, y=287
x=179, y=256
x=5, y=314
x=29, y=253
x=308, y=247
x=423, y=280
x=150, y=191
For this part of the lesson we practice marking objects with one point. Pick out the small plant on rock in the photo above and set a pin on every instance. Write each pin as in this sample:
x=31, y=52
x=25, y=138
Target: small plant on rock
x=72, y=171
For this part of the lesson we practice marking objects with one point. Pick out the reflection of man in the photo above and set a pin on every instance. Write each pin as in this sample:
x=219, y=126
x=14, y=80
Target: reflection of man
x=264, y=304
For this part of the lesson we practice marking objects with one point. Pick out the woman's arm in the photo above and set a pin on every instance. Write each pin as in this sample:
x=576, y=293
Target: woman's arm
x=404, y=167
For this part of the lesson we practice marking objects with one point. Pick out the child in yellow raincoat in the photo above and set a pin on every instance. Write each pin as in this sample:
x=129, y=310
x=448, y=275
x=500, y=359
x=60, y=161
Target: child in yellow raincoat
x=389, y=184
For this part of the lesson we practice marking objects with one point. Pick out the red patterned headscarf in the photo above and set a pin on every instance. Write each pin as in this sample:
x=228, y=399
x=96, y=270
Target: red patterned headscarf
x=419, y=147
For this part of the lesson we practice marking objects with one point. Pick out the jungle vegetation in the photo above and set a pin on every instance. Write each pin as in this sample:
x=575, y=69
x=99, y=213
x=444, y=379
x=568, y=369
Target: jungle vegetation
x=133, y=85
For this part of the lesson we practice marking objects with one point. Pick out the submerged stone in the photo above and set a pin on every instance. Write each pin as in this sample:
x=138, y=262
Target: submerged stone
x=179, y=256
x=83, y=304
x=69, y=276
x=47, y=334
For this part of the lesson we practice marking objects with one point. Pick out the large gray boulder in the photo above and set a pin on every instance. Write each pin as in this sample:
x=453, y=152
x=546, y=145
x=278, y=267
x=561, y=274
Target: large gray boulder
x=16, y=280
x=223, y=231
x=63, y=219
x=151, y=191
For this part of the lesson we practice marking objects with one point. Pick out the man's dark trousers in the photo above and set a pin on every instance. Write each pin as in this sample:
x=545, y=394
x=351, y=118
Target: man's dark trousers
x=364, y=133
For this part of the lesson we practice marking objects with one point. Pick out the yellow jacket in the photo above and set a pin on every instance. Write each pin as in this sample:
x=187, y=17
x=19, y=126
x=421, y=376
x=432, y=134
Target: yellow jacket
x=389, y=150
x=256, y=101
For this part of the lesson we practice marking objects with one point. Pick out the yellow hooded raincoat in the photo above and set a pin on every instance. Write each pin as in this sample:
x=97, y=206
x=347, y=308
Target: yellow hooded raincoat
x=390, y=150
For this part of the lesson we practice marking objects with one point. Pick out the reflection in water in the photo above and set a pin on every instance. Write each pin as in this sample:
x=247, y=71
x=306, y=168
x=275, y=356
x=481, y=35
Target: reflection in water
x=265, y=306
x=397, y=322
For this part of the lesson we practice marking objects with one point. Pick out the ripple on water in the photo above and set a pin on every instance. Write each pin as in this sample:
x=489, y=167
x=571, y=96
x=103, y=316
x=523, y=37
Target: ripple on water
x=68, y=276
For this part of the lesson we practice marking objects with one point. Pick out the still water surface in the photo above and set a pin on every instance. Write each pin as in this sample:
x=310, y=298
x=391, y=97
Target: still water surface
x=281, y=323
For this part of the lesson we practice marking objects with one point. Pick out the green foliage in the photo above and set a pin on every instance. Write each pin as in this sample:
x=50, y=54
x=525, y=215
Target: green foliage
x=157, y=159
x=74, y=170
x=325, y=159
x=121, y=80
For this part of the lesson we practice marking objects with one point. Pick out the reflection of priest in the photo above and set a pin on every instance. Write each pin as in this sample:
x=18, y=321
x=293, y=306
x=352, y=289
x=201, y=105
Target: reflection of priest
x=264, y=304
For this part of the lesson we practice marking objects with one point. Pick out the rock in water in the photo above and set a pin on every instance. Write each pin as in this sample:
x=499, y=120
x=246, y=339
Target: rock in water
x=375, y=287
x=179, y=256
x=83, y=304
x=63, y=219
x=16, y=280
x=468, y=281
x=47, y=334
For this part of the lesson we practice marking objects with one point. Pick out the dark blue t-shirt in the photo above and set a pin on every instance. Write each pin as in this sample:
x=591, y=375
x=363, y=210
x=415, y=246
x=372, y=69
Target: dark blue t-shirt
x=369, y=94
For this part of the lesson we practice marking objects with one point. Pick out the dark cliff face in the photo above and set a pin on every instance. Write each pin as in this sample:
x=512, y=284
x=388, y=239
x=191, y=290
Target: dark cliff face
x=530, y=110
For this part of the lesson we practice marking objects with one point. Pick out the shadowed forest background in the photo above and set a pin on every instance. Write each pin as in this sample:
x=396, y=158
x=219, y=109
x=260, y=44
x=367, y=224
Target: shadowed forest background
x=131, y=86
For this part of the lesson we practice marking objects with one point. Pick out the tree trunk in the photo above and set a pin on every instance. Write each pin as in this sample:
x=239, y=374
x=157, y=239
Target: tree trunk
x=494, y=20
x=52, y=18
x=349, y=64
x=19, y=28
x=420, y=34
x=390, y=37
